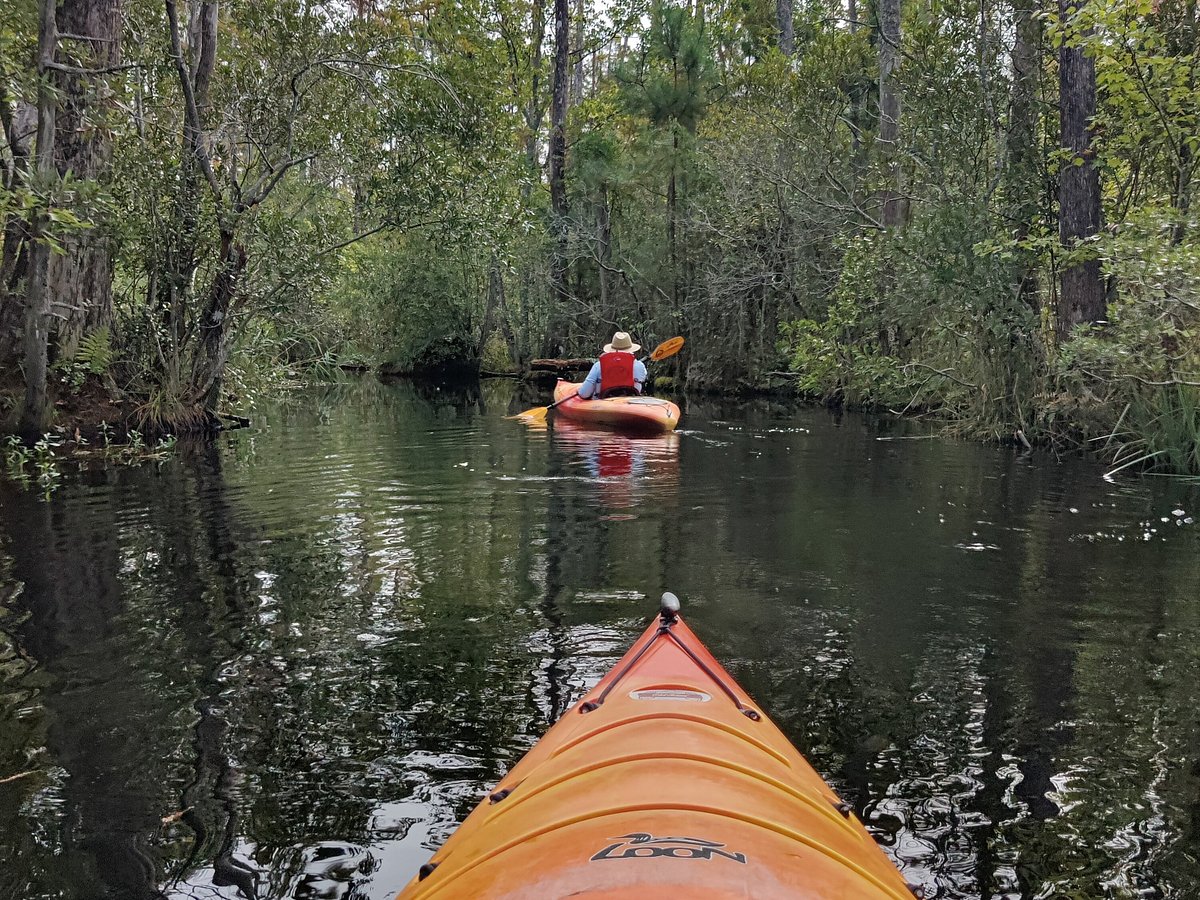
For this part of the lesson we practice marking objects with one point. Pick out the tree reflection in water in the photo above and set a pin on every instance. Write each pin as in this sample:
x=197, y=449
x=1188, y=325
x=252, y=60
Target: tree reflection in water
x=310, y=647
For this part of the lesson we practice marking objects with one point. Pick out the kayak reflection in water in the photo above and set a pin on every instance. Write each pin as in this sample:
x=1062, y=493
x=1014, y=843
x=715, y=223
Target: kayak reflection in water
x=623, y=466
x=617, y=461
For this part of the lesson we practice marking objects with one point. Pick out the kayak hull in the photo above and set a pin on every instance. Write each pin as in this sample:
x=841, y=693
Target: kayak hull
x=649, y=414
x=666, y=780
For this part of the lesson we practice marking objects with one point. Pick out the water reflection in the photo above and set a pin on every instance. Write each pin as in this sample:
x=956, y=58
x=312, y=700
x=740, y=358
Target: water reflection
x=287, y=666
x=625, y=470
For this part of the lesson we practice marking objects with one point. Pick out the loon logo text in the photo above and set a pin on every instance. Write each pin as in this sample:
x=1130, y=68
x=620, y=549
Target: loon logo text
x=645, y=846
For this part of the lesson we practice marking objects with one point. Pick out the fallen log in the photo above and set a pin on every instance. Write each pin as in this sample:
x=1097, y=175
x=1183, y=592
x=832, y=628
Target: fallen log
x=560, y=365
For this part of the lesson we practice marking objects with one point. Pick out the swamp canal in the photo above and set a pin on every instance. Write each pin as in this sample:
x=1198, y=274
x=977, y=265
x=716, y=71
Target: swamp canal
x=287, y=664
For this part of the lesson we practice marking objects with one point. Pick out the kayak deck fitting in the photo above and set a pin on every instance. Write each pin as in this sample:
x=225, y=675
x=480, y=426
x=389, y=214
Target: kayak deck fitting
x=665, y=780
x=637, y=412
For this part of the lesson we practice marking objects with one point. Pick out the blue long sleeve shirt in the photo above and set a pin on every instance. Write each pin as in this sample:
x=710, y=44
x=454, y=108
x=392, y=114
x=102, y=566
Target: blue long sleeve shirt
x=591, y=384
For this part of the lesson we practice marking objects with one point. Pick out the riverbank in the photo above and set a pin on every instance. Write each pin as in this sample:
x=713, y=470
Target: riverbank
x=1122, y=391
x=1156, y=431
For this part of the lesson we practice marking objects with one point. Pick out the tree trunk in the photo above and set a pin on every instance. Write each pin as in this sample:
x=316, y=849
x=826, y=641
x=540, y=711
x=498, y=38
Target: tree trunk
x=1185, y=42
x=489, y=310
x=1081, y=297
x=889, y=106
x=35, y=412
x=787, y=34
x=672, y=212
x=80, y=280
x=194, y=63
x=857, y=122
x=556, y=334
x=534, y=111
x=498, y=310
x=604, y=248
x=1020, y=150
x=19, y=121
x=216, y=325
x=577, y=73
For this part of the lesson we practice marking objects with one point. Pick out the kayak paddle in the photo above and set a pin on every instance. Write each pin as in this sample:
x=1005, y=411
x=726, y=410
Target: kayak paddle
x=667, y=348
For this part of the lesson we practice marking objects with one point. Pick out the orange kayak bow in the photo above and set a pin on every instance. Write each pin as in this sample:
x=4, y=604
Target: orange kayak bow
x=665, y=781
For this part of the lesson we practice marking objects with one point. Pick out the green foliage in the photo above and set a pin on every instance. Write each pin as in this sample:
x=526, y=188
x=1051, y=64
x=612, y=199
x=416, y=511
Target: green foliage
x=716, y=188
x=835, y=361
x=399, y=296
x=595, y=159
x=1131, y=386
x=94, y=356
x=1163, y=430
x=495, y=356
x=670, y=82
x=95, y=353
x=34, y=466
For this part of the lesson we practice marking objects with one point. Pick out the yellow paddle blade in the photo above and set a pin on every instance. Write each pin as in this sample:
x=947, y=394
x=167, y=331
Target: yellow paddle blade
x=533, y=416
x=667, y=348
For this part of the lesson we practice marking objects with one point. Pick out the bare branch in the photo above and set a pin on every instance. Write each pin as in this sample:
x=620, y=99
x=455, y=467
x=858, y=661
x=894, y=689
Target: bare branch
x=189, y=96
x=107, y=70
x=264, y=186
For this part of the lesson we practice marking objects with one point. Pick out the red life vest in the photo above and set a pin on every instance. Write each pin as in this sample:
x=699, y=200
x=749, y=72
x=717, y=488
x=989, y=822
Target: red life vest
x=616, y=373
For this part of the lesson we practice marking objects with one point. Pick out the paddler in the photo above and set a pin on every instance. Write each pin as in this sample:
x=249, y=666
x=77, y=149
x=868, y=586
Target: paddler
x=617, y=373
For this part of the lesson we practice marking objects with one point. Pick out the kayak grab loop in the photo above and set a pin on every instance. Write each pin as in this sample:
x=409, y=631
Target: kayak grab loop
x=499, y=795
x=843, y=807
x=916, y=890
x=670, y=606
x=426, y=870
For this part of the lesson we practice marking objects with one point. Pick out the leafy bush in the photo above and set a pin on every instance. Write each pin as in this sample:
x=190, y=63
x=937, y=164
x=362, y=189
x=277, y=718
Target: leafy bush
x=401, y=296
x=1134, y=382
x=496, y=357
x=836, y=361
x=94, y=356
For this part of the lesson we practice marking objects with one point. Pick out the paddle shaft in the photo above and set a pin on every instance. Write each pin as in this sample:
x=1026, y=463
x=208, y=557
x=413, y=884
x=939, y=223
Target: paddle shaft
x=570, y=396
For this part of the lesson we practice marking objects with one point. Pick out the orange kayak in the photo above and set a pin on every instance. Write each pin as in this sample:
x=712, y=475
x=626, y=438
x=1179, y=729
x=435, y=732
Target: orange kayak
x=665, y=781
x=639, y=413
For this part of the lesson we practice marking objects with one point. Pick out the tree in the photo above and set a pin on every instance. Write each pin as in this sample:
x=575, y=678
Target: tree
x=670, y=83
x=595, y=169
x=787, y=32
x=1081, y=294
x=889, y=107
x=556, y=334
x=35, y=410
x=579, y=53
x=1021, y=157
x=80, y=279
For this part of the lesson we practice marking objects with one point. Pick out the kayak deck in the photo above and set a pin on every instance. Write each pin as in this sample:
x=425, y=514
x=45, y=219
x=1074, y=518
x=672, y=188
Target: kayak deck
x=664, y=781
x=640, y=412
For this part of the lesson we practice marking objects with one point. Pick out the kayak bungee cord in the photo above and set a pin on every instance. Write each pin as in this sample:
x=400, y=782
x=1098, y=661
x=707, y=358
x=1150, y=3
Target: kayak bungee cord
x=668, y=616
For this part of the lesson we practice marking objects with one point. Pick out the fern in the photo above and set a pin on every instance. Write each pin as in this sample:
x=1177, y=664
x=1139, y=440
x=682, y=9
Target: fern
x=95, y=354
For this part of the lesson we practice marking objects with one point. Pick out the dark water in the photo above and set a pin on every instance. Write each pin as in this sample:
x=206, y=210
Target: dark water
x=285, y=666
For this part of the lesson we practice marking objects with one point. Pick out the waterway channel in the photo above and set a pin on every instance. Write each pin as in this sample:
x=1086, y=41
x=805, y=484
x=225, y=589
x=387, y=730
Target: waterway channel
x=286, y=664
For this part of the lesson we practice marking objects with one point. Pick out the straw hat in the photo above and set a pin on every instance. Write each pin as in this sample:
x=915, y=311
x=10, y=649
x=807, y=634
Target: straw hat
x=622, y=343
